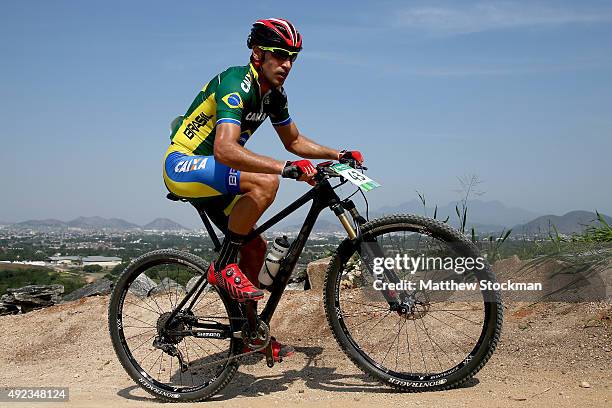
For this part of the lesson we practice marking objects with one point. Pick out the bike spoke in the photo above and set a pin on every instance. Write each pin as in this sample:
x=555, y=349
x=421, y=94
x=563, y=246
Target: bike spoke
x=433, y=349
x=416, y=332
x=138, y=335
x=165, y=290
x=186, y=349
x=436, y=343
x=141, y=344
x=170, y=372
x=354, y=326
x=461, y=317
x=366, y=304
x=160, y=364
x=157, y=304
x=208, y=304
x=455, y=329
x=142, y=307
x=459, y=346
x=141, y=321
x=381, y=319
x=409, y=352
x=155, y=362
x=393, y=342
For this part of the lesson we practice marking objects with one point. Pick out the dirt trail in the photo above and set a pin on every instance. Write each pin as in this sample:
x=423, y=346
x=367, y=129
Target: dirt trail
x=546, y=352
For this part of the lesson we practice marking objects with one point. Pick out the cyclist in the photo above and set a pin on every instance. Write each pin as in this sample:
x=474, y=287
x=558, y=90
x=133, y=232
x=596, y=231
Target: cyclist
x=207, y=159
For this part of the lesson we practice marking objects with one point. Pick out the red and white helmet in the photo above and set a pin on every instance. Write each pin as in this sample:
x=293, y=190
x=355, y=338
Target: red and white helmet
x=275, y=32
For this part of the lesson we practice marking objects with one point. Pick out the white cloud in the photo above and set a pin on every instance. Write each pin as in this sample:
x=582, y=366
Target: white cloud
x=485, y=16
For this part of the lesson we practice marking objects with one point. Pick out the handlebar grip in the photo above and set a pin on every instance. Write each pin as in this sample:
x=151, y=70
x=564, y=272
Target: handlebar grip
x=292, y=172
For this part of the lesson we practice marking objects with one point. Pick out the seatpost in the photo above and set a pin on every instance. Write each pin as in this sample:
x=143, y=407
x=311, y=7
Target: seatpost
x=209, y=228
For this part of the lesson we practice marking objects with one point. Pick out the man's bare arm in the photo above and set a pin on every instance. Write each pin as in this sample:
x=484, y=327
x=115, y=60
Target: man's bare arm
x=300, y=145
x=228, y=151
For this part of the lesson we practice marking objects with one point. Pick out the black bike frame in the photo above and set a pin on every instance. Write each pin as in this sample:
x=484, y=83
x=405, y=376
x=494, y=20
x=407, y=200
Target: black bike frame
x=322, y=195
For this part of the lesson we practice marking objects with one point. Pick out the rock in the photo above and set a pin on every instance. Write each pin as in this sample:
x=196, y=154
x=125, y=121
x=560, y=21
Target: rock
x=7, y=308
x=296, y=286
x=142, y=285
x=316, y=273
x=167, y=285
x=508, y=266
x=585, y=384
x=100, y=287
x=346, y=284
x=298, y=275
x=606, y=277
x=33, y=296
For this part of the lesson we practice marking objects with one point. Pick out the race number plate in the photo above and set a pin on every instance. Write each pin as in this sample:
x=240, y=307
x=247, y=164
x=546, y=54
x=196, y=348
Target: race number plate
x=359, y=179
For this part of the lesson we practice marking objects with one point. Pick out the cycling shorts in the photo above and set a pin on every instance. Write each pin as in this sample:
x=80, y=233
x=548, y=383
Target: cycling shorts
x=195, y=176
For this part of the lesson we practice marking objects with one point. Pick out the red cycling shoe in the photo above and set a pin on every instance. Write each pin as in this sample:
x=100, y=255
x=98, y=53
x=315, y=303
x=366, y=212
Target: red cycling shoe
x=234, y=282
x=278, y=350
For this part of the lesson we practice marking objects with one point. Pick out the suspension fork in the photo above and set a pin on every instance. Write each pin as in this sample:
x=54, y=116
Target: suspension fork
x=368, y=250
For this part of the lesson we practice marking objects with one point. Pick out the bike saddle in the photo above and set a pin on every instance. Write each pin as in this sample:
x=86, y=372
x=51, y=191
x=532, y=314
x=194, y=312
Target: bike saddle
x=173, y=197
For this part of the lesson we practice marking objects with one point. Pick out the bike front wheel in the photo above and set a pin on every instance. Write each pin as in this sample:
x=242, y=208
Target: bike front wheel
x=438, y=339
x=165, y=356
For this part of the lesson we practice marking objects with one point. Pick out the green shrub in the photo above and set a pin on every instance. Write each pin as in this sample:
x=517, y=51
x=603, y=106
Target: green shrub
x=116, y=271
x=92, y=268
x=19, y=277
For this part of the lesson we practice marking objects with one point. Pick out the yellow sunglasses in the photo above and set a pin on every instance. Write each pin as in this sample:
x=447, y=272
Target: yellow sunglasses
x=281, y=53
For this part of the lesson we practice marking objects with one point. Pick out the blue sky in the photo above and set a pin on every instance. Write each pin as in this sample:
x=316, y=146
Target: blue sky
x=517, y=93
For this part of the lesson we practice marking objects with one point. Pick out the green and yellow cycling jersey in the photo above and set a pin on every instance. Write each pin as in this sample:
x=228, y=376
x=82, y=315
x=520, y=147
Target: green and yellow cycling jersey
x=233, y=96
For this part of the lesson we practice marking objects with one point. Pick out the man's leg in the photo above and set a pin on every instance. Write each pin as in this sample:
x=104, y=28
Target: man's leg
x=257, y=193
x=194, y=176
x=252, y=256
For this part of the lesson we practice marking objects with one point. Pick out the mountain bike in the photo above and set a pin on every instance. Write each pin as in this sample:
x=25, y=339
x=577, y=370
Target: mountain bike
x=182, y=339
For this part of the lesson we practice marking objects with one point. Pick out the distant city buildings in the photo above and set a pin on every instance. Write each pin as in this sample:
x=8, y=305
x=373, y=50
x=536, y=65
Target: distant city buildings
x=103, y=261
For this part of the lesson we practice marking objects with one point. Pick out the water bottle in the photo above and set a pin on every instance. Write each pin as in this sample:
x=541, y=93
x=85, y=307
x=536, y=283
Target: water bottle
x=272, y=263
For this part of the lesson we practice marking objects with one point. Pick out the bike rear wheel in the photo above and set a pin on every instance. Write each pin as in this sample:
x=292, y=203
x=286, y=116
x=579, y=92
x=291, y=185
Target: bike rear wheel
x=444, y=339
x=169, y=365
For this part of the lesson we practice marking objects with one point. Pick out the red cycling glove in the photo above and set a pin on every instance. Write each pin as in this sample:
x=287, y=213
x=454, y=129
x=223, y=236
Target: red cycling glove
x=299, y=169
x=347, y=155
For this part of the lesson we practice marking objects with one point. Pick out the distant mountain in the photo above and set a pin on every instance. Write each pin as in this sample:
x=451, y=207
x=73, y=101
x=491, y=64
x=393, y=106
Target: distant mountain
x=46, y=223
x=485, y=216
x=95, y=223
x=100, y=223
x=163, y=224
x=570, y=223
x=324, y=225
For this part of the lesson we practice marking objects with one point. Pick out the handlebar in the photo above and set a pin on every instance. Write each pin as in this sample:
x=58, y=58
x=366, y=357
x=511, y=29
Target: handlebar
x=324, y=170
